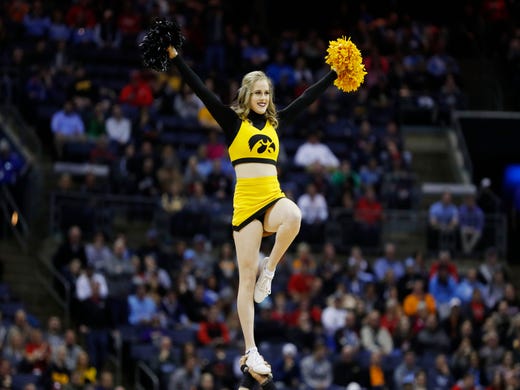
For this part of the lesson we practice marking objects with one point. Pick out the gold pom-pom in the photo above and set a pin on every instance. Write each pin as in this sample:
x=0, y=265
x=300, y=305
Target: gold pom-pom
x=345, y=58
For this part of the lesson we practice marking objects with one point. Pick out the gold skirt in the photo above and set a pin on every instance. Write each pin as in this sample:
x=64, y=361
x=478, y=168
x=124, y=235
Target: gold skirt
x=253, y=196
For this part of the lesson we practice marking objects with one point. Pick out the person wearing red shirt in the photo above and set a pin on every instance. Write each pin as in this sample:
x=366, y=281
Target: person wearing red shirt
x=300, y=283
x=368, y=213
x=444, y=260
x=137, y=92
x=81, y=11
x=37, y=352
x=212, y=331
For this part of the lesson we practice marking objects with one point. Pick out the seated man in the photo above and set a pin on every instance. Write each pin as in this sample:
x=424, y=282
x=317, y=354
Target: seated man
x=443, y=223
x=471, y=224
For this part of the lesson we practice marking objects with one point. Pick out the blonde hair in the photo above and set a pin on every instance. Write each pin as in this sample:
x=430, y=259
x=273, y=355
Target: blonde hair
x=241, y=104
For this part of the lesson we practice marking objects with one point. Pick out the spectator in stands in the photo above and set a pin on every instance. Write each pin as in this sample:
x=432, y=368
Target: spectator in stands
x=213, y=331
x=187, y=376
x=442, y=286
x=14, y=350
x=137, y=92
x=388, y=261
x=368, y=214
x=58, y=29
x=11, y=164
x=95, y=325
x=348, y=369
x=187, y=105
x=440, y=375
x=491, y=353
x=107, y=34
x=371, y=174
x=155, y=275
x=444, y=260
x=147, y=181
x=36, y=22
x=467, y=284
x=153, y=246
x=141, y=307
x=98, y=251
x=171, y=310
x=37, y=353
x=88, y=281
x=54, y=333
x=314, y=209
x=408, y=367
x=86, y=372
x=490, y=266
x=119, y=128
x=471, y=219
x=374, y=337
x=345, y=179
x=101, y=153
x=314, y=153
x=57, y=374
x=487, y=199
x=349, y=334
x=316, y=369
x=6, y=373
x=333, y=316
x=419, y=296
x=72, y=248
x=494, y=292
x=164, y=362
x=218, y=184
x=442, y=223
x=73, y=349
x=378, y=376
x=432, y=339
x=67, y=126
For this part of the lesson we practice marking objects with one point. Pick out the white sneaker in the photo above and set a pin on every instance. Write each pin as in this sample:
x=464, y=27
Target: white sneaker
x=256, y=362
x=263, y=283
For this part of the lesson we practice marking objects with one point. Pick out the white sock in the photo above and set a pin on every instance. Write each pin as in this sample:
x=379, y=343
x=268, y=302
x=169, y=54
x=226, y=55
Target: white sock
x=254, y=349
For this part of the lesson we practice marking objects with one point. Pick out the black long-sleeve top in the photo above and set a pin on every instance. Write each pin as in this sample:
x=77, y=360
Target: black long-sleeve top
x=229, y=121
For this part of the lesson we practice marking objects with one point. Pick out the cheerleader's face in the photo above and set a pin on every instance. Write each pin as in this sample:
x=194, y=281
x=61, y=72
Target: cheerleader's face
x=260, y=97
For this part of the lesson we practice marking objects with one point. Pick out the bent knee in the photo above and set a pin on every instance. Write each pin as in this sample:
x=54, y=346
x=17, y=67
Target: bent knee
x=293, y=217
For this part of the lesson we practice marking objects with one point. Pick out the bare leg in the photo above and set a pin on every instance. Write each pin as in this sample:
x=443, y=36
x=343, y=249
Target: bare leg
x=284, y=218
x=247, y=244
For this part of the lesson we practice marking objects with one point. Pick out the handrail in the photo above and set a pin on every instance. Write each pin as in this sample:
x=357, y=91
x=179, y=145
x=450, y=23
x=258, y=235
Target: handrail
x=64, y=303
x=468, y=164
x=141, y=366
x=29, y=143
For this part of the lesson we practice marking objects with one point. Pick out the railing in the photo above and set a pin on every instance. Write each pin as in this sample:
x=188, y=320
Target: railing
x=143, y=370
x=407, y=227
x=99, y=210
x=52, y=274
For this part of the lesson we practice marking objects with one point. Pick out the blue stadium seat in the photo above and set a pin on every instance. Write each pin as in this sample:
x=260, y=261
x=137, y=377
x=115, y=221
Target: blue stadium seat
x=144, y=352
x=183, y=336
x=21, y=380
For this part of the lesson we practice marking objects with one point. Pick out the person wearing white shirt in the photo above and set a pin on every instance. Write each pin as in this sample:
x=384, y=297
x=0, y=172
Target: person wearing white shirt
x=85, y=281
x=314, y=209
x=314, y=152
x=118, y=127
x=334, y=316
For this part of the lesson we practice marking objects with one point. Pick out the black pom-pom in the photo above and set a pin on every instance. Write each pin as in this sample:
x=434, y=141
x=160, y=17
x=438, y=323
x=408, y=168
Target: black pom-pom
x=162, y=34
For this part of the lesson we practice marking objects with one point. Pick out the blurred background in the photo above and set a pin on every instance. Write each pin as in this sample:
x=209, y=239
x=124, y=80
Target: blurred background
x=117, y=266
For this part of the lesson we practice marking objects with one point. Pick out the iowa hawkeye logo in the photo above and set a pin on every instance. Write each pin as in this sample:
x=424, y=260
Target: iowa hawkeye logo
x=263, y=142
